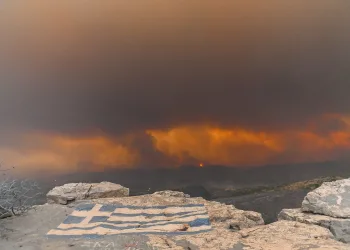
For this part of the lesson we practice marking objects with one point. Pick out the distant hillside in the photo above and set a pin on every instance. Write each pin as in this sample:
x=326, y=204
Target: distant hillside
x=266, y=189
x=146, y=178
x=301, y=185
x=270, y=200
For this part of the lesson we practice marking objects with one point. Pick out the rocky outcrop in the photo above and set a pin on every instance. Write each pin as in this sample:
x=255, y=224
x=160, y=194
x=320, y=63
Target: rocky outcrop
x=220, y=215
x=83, y=191
x=231, y=228
x=339, y=227
x=331, y=198
x=28, y=232
x=327, y=206
x=236, y=229
x=284, y=235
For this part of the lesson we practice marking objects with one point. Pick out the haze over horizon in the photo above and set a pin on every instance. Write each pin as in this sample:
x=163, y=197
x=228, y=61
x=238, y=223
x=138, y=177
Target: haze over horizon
x=133, y=84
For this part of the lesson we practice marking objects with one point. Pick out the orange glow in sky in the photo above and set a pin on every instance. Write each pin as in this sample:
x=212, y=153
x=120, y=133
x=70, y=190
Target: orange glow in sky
x=180, y=145
x=146, y=81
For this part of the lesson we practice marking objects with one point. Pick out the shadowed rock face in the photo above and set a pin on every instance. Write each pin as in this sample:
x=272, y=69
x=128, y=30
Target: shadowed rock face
x=269, y=204
x=331, y=198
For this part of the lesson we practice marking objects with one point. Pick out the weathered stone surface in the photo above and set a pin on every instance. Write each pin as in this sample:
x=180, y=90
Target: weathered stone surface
x=284, y=235
x=331, y=198
x=82, y=191
x=28, y=231
x=338, y=226
x=4, y=213
x=170, y=193
x=220, y=215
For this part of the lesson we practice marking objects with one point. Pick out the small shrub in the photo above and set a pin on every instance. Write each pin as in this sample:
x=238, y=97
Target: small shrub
x=16, y=196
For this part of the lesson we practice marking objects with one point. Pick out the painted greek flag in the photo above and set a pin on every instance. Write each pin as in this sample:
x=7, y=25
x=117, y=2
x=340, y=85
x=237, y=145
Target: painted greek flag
x=98, y=220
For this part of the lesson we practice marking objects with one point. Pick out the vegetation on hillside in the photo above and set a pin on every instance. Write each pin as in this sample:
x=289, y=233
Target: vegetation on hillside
x=301, y=185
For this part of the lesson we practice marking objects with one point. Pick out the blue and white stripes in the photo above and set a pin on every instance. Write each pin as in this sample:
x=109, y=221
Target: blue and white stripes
x=98, y=220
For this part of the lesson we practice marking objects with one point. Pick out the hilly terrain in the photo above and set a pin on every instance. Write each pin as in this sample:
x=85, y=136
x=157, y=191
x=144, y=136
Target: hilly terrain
x=265, y=189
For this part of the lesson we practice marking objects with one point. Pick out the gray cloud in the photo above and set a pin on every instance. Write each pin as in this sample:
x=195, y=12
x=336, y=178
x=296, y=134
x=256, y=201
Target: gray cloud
x=120, y=68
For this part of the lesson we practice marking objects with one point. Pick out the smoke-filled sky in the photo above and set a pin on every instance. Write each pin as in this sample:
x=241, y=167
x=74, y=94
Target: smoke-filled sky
x=86, y=84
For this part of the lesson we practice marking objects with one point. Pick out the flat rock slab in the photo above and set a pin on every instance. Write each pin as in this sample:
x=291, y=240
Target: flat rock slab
x=93, y=220
x=338, y=226
x=331, y=198
x=84, y=191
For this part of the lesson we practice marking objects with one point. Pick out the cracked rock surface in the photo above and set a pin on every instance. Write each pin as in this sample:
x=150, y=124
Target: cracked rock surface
x=82, y=191
x=331, y=198
x=232, y=228
x=339, y=227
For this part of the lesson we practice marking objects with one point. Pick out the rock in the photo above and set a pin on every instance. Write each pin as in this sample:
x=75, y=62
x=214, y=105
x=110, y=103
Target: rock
x=339, y=227
x=284, y=235
x=224, y=219
x=82, y=191
x=327, y=206
x=331, y=198
x=220, y=215
x=170, y=193
x=4, y=213
x=232, y=229
x=227, y=216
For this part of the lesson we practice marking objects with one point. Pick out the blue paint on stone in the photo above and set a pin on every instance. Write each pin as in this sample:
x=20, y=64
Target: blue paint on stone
x=155, y=207
x=108, y=208
x=98, y=219
x=85, y=207
x=118, y=225
x=194, y=223
x=73, y=219
x=150, y=215
x=96, y=236
x=151, y=221
x=199, y=222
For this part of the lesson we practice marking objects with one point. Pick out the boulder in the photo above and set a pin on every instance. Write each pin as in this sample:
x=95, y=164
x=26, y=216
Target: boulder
x=331, y=198
x=83, y=191
x=339, y=227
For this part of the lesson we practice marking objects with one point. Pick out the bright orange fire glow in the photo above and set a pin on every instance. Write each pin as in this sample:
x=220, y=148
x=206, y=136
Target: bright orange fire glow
x=217, y=146
x=194, y=145
x=64, y=153
x=242, y=147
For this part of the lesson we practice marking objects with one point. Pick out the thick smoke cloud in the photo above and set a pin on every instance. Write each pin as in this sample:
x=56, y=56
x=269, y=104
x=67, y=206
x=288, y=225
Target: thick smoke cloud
x=80, y=68
x=69, y=67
